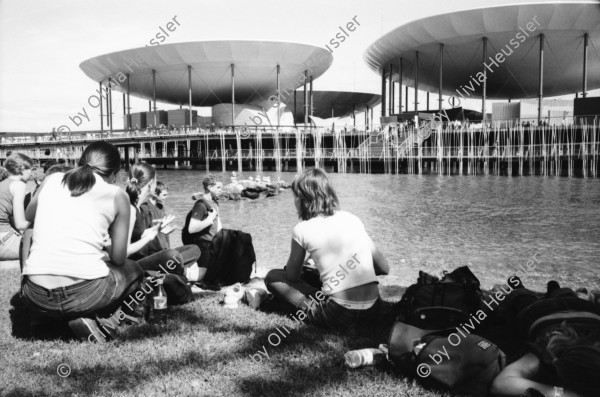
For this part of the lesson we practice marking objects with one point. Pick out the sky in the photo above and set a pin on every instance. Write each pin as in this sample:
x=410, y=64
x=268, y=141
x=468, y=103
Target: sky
x=43, y=42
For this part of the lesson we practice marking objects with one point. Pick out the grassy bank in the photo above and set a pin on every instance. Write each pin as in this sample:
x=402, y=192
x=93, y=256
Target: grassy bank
x=203, y=349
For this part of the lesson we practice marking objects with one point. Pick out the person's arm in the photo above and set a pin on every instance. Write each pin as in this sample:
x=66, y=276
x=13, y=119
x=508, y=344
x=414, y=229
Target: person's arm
x=148, y=235
x=118, y=230
x=293, y=268
x=17, y=189
x=516, y=378
x=196, y=224
x=32, y=206
x=379, y=262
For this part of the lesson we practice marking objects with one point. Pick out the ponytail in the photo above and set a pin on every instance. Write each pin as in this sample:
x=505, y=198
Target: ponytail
x=99, y=157
x=140, y=174
x=80, y=180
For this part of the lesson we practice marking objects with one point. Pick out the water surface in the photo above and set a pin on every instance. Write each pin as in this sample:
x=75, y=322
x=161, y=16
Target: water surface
x=494, y=224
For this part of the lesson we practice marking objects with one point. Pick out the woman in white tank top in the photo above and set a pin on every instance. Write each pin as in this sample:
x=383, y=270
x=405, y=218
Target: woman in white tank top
x=345, y=257
x=68, y=274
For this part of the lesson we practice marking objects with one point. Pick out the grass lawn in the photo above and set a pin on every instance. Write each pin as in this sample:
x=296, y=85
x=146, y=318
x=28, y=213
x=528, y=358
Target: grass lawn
x=202, y=350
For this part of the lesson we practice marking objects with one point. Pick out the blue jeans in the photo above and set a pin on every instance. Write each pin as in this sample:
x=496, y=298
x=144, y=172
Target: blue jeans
x=324, y=312
x=100, y=296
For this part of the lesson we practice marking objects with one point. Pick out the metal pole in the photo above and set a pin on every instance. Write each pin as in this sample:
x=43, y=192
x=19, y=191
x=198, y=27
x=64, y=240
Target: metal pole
x=416, y=81
x=406, y=96
x=101, y=111
x=354, y=116
x=125, y=122
x=440, y=99
x=190, y=94
x=427, y=100
x=295, y=108
x=367, y=117
x=311, y=96
x=278, y=99
x=383, y=98
x=107, y=107
x=332, y=111
x=484, y=94
x=400, y=87
x=128, y=103
x=305, y=98
x=585, y=52
x=154, y=95
x=391, y=90
x=541, y=78
x=232, y=96
x=110, y=103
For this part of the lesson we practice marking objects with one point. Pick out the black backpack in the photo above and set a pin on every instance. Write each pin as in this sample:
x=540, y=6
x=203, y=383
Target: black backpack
x=232, y=258
x=447, y=360
x=432, y=303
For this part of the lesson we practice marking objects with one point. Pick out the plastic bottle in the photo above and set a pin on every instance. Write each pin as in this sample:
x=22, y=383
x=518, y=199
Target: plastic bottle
x=363, y=357
x=159, y=302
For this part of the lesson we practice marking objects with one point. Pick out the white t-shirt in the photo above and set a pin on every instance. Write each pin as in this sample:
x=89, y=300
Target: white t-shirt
x=69, y=231
x=339, y=245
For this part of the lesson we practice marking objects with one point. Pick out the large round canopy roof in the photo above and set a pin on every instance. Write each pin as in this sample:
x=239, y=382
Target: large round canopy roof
x=462, y=32
x=255, y=70
x=342, y=103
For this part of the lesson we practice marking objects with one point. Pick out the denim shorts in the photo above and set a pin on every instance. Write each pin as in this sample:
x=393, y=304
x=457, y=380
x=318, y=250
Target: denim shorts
x=87, y=298
x=330, y=314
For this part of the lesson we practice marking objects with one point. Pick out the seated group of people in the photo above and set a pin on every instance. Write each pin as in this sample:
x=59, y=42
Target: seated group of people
x=86, y=243
x=92, y=242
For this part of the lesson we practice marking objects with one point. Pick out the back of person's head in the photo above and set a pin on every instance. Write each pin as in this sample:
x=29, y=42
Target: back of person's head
x=16, y=163
x=140, y=174
x=575, y=357
x=58, y=168
x=208, y=181
x=578, y=369
x=99, y=157
x=316, y=194
x=49, y=165
x=160, y=187
x=3, y=174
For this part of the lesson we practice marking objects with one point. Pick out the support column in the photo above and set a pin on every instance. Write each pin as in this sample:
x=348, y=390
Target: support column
x=232, y=97
x=295, y=108
x=101, y=112
x=428, y=101
x=125, y=121
x=190, y=96
x=128, y=102
x=311, y=96
x=278, y=99
x=154, y=95
x=354, y=116
x=440, y=99
x=400, y=86
x=585, y=52
x=383, y=92
x=367, y=118
x=406, y=96
x=484, y=93
x=110, y=104
x=416, y=81
x=541, y=79
x=391, y=90
x=305, y=98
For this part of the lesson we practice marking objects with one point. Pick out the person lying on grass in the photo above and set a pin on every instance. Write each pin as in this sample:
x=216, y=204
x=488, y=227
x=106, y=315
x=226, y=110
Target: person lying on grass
x=345, y=256
x=563, y=358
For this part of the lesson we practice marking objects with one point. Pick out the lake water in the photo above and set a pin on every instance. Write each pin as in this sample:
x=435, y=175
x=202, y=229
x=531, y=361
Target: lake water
x=546, y=227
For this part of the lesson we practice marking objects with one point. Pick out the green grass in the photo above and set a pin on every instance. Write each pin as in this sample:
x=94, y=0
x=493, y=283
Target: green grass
x=202, y=349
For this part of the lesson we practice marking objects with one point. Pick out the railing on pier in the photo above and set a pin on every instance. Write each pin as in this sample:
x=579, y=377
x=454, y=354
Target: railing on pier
x=398, y=145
